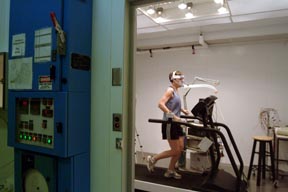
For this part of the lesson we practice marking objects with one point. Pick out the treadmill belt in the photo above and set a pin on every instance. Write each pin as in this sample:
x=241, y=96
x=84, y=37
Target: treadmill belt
x=192, y=181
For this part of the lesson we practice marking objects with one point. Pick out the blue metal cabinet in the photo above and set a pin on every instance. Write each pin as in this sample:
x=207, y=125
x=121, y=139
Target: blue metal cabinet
x=49, y=91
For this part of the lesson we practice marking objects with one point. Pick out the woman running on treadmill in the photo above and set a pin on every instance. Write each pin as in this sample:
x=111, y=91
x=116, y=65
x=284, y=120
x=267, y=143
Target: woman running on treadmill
x=170, y=104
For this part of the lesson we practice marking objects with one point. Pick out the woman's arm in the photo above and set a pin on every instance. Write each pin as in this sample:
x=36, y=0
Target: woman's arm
x=164, y=99
x=185, y=111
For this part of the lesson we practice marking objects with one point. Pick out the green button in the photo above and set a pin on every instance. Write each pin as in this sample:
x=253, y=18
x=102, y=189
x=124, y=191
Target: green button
x=20, y=136
x=25, y=137
x=49, y=141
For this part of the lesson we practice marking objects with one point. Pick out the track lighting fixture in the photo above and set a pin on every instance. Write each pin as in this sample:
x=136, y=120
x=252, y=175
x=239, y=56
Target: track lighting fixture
x=150, y=51
x=159, y=11
x=189, y=5
x=193, y=49
x=189, y=14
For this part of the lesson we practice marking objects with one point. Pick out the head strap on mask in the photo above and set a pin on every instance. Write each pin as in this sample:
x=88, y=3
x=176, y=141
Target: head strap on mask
x=174, y=76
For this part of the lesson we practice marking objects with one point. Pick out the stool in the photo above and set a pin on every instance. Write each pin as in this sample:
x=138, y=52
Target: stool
x=261, y=167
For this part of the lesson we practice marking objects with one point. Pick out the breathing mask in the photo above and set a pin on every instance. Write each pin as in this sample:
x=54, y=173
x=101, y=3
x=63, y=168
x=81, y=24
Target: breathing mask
x=179, y=79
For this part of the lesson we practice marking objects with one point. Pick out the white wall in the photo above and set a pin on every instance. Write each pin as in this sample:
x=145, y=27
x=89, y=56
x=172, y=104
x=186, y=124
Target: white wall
x=252, y=76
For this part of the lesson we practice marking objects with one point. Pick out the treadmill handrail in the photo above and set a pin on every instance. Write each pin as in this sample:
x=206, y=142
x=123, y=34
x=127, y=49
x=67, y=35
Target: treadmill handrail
x=233, y=143
x=190, y=117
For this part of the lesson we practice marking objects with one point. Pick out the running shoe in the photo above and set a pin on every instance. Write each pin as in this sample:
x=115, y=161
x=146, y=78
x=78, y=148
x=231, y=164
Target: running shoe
x=172, y=174
x=150, y=163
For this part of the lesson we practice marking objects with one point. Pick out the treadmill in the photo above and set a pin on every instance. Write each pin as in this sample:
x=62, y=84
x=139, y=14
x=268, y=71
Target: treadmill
x=214, y=180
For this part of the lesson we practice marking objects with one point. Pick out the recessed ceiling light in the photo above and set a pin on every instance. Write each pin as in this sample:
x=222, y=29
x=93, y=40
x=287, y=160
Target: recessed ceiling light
x=161, y=20
x=151, y=11
x=182, y=6
x=222, y=10
x=218, y=1
x=189, y=15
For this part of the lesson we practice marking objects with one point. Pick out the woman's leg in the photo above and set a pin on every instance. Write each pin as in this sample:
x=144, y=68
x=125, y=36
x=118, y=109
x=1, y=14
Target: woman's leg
x=181, y=144
x=182, y=158
x=175, y=146
x=175, y=150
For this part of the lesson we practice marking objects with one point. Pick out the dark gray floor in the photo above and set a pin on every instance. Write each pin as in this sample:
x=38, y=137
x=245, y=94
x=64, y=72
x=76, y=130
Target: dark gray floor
x=267, y=185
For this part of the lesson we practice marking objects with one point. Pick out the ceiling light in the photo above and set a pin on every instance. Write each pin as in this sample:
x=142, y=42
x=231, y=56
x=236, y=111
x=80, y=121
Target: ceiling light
x=189, y=15
x=159, y=11
x=189, y=5
x=222, y=10
x=151, y=11
x=160, y=20
x=182, y=6
x=219, y=1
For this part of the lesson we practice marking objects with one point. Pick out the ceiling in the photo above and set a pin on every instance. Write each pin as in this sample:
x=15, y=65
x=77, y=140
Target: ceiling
x=246, y=20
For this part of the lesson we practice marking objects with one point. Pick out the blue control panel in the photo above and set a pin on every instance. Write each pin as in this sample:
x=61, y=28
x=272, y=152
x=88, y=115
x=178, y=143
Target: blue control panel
x=55, y=123
x=49, y=74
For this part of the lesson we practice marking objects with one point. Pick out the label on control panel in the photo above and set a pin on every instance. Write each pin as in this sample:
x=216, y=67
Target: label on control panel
x=44, y=82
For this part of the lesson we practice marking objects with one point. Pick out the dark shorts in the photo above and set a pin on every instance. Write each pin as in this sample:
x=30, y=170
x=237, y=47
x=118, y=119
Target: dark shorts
x=172, y=132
